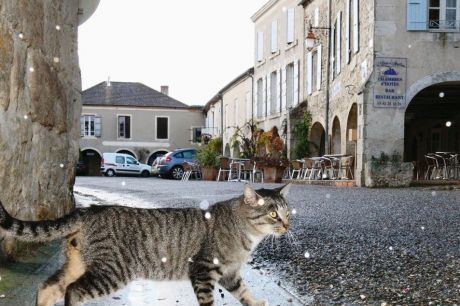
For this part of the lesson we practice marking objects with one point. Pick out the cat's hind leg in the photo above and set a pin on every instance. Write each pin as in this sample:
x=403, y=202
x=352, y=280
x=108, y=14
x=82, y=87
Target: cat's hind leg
x=97, y=281
x=234, y=284
x=54, y=288
x=204, y=277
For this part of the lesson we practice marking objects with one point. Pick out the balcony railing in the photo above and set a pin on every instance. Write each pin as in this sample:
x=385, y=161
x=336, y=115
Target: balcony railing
x=444, y=25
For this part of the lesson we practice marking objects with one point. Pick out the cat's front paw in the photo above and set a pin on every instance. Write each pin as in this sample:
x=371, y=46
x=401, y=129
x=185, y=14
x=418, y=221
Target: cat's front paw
x=261, y=303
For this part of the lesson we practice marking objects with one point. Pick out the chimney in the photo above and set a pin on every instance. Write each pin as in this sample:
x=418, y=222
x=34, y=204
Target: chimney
x=165, y=90
x=108, y=81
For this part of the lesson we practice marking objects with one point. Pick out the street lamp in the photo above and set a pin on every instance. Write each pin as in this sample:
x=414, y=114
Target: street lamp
x=310, y=40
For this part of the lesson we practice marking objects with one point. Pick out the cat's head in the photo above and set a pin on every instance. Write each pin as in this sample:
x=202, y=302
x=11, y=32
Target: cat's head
x=269, y=212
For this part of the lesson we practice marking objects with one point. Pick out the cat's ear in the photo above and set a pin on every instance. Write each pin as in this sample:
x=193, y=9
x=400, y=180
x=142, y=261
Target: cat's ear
x=284, y=191
x=251, y=197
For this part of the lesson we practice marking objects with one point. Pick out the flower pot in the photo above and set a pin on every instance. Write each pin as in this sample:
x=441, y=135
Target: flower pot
x=273, y=174
x=209, y=173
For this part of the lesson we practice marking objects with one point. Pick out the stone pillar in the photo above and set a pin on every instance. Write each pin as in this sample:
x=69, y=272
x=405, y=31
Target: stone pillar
x=40, y=105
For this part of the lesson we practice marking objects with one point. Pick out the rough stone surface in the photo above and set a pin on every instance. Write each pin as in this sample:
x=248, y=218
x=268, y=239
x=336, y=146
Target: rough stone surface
x=388, y=175
x=39, y=106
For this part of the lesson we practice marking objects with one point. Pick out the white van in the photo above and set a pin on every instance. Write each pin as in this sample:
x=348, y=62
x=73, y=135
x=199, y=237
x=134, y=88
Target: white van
x=117, y=163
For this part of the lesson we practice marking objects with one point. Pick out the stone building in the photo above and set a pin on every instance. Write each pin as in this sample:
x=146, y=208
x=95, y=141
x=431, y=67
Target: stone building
x=234, y=101
x=279, y=62
x=389, y=82
x=135, y=119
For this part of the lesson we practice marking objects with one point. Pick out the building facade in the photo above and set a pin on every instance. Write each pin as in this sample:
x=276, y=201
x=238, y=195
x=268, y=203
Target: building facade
x=389, y=78
x=134, y=119
x=279, y=62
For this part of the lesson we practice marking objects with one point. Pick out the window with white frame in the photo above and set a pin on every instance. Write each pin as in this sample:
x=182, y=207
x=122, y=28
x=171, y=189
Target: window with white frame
x=289, y=85
x=124, y=126
x=260, y=97
x=162, y=127
x=273, y=92
x=88, y=125
x=260, y=46
x=314, y=69
x=274, y=37
x=444, y=14
x=290, y=35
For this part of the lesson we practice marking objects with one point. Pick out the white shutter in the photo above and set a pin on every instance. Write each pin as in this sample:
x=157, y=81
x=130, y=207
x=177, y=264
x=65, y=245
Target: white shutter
x=296, y=82
x=332, y=59
x=319, y=68
x=338, y=58
x=316, y=21
x=274, y=36
x=268, y=100
x=97, y=126
x=309, y=72
x=260, y=46
x=82, y=126
x=264, y=96
x=290, y=25
x=278, y=91
x=355, y=26
x=347, y=32
x=283, y=88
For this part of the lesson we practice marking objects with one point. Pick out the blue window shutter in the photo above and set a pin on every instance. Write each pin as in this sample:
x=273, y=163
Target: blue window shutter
x=417, y=15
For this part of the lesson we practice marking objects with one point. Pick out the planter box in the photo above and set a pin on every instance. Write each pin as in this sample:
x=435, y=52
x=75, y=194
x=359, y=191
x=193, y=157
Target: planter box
x=388, y=174
x=209, y=173
x=273, y=174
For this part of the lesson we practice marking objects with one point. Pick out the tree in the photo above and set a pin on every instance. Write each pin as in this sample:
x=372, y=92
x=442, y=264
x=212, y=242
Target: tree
x=302, y=137
x=40, y=106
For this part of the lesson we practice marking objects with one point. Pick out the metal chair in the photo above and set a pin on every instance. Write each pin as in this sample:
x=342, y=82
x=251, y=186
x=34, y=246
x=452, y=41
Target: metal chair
x=224, y=167
x=346, y=164
x=307, y=167
x=296, y=169
x=432, y=165
x=257, y=171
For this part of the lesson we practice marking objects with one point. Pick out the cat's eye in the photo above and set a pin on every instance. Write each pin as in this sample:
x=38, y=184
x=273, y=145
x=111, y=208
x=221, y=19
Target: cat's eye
x=273, y=214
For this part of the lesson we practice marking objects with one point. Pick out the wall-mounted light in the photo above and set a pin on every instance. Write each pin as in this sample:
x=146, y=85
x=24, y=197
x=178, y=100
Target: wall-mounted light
x=310, y=39
x=448, y=123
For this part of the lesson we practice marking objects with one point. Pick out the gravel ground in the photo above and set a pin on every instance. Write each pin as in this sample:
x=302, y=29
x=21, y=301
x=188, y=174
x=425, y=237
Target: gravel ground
x=350, y=246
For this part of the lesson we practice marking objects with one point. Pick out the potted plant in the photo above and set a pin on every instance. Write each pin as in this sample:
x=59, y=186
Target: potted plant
x=388, y=171
x=208, y=157
x=270, y=150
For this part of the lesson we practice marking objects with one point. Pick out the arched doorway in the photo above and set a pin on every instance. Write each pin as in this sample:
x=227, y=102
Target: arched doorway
x=90, y=160
x=432, y=123
x=154, y=155
x=317, y=140
x=126, y=151
x=336, y=143
x=352, y=131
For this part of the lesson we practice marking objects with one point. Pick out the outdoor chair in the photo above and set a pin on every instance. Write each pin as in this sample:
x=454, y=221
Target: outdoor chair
x=307, y=167
x=296, y=169
x=328, y=169
x=247, y=171
x=257, y=171
x=187, y=171
x=442, y=167
x=224, y=168
x=432, y=167
x=316, y=169
x=346, y=164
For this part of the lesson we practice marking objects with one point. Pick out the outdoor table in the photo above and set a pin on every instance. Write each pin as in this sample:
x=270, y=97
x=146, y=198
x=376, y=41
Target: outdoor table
x=240, y=163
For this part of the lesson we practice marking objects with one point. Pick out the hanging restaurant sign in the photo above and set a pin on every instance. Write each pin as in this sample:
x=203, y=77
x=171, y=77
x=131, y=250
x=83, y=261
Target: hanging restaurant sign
x=390, y=82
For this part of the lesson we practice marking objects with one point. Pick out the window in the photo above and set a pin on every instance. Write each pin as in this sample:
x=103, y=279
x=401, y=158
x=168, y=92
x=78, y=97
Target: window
x=443, y=14
x=260, y=46
x=338, y=43
x=289, y=85
x=162, y=127
x=314, y=70
x=196, y=135
x=188, y=154
x=179, y=155
x=273, y=92
x=124, y=127
x=290, y=35
x=88, y=129
x=274, y=37
x=120, y=160
x=356, y=26
x=260, y=97
x=131, y=161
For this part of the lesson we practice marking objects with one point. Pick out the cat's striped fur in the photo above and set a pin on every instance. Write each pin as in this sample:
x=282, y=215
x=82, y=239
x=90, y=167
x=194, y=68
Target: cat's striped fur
x=108, y=246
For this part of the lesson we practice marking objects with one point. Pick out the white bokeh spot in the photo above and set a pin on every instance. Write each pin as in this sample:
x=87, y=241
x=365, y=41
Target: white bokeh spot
x=433, y=193
x=215, y=261
x=58, y=27
x=164, y=259
x=328, y=196
x=442, y=94
x=21, y=36
x=31, y=69
x=294, y=212
x=56, y=59
x=207, y=215
x=123, y=183
x=26, y=117
x=204, y=205
x=61, y=165
x=307, y=255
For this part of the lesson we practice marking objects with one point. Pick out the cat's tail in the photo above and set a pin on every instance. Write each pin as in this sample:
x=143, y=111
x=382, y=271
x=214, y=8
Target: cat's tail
x=37, y=231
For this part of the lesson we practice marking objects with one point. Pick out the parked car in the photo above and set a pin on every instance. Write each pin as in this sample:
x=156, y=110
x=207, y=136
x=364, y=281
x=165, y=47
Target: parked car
x=156, y=165
x=81, y=168
x=171, y=164
x=116, y=163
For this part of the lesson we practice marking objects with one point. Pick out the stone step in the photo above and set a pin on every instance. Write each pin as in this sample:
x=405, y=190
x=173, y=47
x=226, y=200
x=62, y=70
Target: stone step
x=330, y=183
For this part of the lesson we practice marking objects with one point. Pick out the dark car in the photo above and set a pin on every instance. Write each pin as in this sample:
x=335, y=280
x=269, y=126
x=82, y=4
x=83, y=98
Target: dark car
x=81, y=168
x=170, y=165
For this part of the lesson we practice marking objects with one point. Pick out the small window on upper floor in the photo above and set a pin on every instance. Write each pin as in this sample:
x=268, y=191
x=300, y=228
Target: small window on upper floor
x=162, y=126
x=290, y=35
x=443, y=14
x=124, y=127
x=196, y=133
x=90, y=126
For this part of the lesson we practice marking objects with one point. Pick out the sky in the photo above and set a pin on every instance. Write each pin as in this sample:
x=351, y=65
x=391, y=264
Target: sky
x=194, y=47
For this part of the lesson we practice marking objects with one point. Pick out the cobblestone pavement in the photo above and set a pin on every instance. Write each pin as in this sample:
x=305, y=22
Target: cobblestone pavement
x=350, y=246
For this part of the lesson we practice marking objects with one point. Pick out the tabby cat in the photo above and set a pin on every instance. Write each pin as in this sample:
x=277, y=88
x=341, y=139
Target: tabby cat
x=106, y=247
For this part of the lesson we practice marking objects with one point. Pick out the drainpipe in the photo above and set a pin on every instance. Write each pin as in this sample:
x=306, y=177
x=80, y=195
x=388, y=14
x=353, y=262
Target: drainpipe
x=221, y=97
x=329, y=25
x=252, y=94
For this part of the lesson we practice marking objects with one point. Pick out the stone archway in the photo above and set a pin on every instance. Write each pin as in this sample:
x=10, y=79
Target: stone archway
x=432, y=123
x=91, y=159
x=127, y=151
x=352, y=131
x=317, y=140
x=336, y=140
